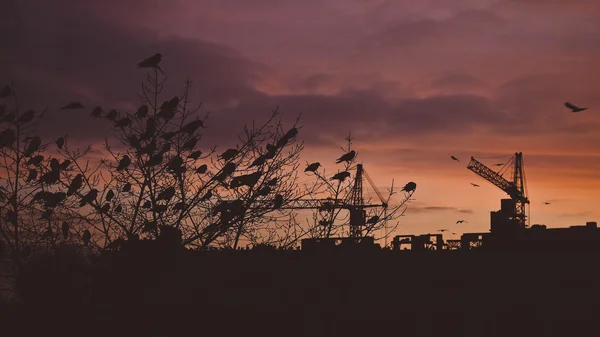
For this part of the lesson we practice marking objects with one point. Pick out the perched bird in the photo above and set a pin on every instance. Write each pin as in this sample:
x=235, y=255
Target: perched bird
x=32, y=175
x=179, y=206
x=86, y=237
x=112, y=115
x=65, y=164
x=147, y=204
x=166, y=194
x=347, y=157
x=33, y=146
x=260, y=160
x=287, y=137
x=118, y=209
x=454, y=158
x=409, y=187
x=60, y=142
x=192, y=126
x=461, y=221
x=151, y=62
x=109, y=195
x=195, y=155
x=72, y=105
x=265, y=190
x=75, y=185
x=202, y=169
x=124, y=163
x=105, y=208
x=168, y=135
x=312, y=167
x=5, y=91
x=475, y=185
x=207, y=196
x=229, y=154
x=190, y=144
x=35, y=160
x=574, y=108
x=97, y=111
x=65, y=230
x=142, y=111
x=271, y=151
x=278, y=201
x=341, y=176
x=89, y=197
x=155, y=160
x=168, y=109
x=26, y=117
x=150, y=129
x=272, y=182
x=121, y=123
x=126, y=188
x=373, y=220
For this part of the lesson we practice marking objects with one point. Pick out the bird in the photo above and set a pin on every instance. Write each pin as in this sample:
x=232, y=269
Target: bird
x=166, y=194
x=35, y=160
x=26, y=117
x=179, y=206
x=89, y=197
x=168, y=135
x=573, y=107
x=60, y=142
x=265, y=190
x=124, y=163
x=461, y=221
x=341, y=176
x=105, y=208
x=546, y=203
x=72, y=105
x=151, y=62
x=147, y=204
x=278, y=201
x=168, y=109
x=347, y=157
x=32, y=175
x=118, y=209
x=499, y=164
x=109, y=195
x=202, y=169
x=272, y=182
x=33, y=146
x=373, y=220
x=65, y=230
x=229, y=154
x=142, y=111
x=409, y=187
x=442, y=230
x=195, y=155
x=453, y=233
x=454, y=158
x=123, y=123
x=475, y=185
x=258, y=161
x=112, y=115
x=287, y=137
x=86, y=237
x=192, y=126
x=312, y=167
x=97, y=111
x=75, y=185
x=126, y=188
x=190, y=144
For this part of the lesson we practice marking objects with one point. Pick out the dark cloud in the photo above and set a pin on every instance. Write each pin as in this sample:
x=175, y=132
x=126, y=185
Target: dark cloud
x=62, y=53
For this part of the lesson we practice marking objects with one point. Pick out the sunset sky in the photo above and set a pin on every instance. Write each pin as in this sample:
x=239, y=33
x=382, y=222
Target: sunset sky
x=414, y=81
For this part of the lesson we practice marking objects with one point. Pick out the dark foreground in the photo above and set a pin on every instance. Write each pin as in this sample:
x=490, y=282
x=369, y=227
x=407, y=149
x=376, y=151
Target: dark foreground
x=300, y=294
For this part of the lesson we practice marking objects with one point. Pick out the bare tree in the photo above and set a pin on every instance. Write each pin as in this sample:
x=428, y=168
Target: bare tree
x=339, y=194
x=158, y=178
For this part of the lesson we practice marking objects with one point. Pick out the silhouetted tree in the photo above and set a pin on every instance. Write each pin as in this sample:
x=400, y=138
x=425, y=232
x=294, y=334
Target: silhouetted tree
x=337, y=191
x=159, y=179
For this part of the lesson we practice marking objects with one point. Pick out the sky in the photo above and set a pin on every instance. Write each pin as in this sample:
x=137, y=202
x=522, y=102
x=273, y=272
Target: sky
x=413, y=81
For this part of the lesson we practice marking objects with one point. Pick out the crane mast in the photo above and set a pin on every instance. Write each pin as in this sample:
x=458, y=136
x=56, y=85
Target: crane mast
x=515, y=189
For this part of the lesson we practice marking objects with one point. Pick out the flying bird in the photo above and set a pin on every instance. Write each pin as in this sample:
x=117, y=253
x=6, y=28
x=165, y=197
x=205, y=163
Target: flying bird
x=151, y=62
x=475, y=185
x=574, y=108
x=461, y=221
x=312, y=167
x=499, y=164
x=454, y=158
x=347, y=157
x=442, y=230
x=72, y=105
x=546, y=203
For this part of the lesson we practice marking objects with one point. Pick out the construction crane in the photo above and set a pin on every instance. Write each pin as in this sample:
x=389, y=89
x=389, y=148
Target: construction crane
x=516, y=187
